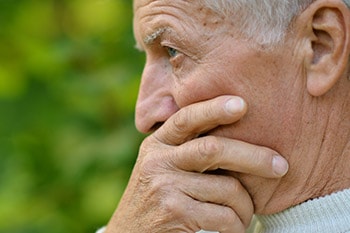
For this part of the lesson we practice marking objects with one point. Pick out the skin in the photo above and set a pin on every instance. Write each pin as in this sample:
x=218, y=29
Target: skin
x=175, y=186
x=207, y=162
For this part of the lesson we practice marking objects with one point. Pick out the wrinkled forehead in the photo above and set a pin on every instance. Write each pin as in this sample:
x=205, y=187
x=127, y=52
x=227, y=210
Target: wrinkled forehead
x=194, y=9
x=184, y=12
x=142, y=3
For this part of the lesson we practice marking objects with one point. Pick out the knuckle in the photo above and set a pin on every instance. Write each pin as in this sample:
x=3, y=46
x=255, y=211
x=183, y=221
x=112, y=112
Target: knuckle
x=230, y=221
x=209, y=147
x=171, y=205
x=172, y=210
x=153, y=157
x=161, y=185
x=149, y=167
x=234, y=186
x=180, y=121
x=158, y=186
x=148, y=145
x=146, y=169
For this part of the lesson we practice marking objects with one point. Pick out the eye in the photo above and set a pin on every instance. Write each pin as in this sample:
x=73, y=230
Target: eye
x=172, y=52
x=176, y=57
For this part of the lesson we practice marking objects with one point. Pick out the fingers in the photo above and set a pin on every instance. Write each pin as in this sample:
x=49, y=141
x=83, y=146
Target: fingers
x=211, y=153
x=191, y=121
x=224, y=191
x=202, y=201
x=169, y=189
x=216, y=218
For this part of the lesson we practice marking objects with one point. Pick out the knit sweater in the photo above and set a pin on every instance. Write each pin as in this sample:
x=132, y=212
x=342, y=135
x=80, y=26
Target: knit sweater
x=329, y=214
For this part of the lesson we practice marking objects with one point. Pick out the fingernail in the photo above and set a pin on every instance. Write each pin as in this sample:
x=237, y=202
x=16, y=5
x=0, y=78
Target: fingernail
x=234, y=105
x=280, y=165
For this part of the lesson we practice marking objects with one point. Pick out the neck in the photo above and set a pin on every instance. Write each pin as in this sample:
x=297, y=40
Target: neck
x=327, y=152
x=320, y=157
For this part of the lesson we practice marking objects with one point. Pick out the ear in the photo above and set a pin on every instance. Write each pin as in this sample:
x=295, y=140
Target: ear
x=328, y=36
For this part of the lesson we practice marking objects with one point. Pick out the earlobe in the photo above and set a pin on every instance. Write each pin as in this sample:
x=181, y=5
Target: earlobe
x=330, y=25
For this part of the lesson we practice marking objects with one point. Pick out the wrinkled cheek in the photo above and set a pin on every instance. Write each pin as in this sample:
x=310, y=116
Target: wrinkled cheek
x=201, y=86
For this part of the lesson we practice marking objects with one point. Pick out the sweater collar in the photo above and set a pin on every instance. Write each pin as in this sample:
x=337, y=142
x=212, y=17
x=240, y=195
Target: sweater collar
x=325, y=214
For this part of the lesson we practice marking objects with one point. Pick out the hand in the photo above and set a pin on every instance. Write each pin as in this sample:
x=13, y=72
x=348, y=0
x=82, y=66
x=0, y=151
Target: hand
x=173, y=187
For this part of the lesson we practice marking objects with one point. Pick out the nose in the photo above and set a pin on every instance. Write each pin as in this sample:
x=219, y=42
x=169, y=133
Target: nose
x=155, y=103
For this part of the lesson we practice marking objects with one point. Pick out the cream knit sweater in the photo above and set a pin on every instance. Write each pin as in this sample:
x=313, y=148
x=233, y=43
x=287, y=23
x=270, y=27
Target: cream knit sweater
x=329, y=214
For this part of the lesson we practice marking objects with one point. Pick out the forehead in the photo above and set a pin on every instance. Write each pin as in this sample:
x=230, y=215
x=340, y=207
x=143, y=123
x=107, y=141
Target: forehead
x=163, y=5
x=178, y=15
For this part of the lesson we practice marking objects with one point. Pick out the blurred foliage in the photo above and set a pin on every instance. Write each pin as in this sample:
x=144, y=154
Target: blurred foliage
x=68, y=83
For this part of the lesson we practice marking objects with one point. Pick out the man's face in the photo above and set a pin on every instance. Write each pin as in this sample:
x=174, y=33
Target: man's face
x=194, y=54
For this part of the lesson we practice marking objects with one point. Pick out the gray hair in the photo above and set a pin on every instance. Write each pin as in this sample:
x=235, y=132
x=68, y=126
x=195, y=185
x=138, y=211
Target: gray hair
x=347, y=2
x=263, y=21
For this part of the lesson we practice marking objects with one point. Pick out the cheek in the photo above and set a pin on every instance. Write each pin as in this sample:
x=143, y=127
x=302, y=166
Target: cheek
x=272, y=107
x=203, y=84
x=273, y=120
x=273, y=113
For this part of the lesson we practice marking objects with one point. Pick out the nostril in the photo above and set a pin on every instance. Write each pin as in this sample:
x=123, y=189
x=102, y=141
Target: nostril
x=156, y=126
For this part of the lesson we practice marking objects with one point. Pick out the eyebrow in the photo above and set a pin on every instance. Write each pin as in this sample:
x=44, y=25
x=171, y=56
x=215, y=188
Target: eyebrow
x=150, y=38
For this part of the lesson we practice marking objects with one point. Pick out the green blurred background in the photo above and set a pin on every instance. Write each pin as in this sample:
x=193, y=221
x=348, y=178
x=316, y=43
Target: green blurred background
x=69, y=76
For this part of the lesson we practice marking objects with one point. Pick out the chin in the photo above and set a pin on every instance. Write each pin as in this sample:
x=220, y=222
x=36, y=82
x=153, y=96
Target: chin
x=269, y=196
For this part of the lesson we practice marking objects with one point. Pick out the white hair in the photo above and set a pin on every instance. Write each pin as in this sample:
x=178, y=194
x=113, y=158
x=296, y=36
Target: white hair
x=263, y=21
x=347, y=2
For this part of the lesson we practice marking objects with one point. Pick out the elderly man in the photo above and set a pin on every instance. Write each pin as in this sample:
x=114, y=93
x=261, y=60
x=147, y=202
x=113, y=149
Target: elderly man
x=213, y=159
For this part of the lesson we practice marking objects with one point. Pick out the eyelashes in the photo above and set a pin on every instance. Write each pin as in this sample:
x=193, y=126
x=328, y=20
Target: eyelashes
x=175, y=56
x=172, y=52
